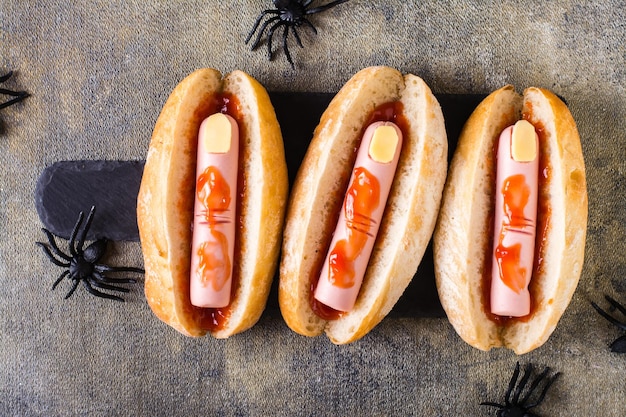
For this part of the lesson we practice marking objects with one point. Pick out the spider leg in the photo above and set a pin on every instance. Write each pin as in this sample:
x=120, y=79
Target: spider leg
x=18, y=95
x=295, y=35
x=106, y=268
x=534, y=386
x=101, y=294
x=81, y=239
x=53, y=245
x=102, y=278
x=13, y=100
x=490, y=404
x=607, y=316
x=507, y=396
x=270, y=35
x=528, y=369
x=324, y=7
x=545, y=388
x=260, y=34
x=258, y=22
x=286, y=47
x=104, y=286
x=49, y=254
x=60, y=278
x=6, y=76
x=79, y=221
x=310, y=25
x=10, y=92
x=69, y=294
x=616, y=305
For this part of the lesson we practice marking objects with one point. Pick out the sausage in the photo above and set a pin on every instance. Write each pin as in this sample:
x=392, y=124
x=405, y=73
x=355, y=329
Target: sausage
x=515, y=219
x=364, y=203
x=214, y=212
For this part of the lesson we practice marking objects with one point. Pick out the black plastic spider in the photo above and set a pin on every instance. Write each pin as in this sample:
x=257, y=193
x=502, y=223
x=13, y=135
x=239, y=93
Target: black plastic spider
x=82, y=263
x=290, y=14
x=17, y=95
x=619, y=345
x=517, y=407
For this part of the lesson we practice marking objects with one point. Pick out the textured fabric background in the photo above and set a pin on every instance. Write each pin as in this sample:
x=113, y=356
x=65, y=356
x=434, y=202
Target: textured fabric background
x=99, y=74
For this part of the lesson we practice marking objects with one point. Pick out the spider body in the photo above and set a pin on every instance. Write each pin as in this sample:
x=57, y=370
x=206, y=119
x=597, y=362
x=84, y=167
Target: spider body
x=291, y=11
x=82, y=263
x=290, y=15
x=17, y=95
x=516, y=407
x=619, y=345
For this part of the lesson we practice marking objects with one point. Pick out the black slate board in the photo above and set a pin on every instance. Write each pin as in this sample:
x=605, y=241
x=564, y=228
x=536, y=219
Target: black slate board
x=68, y=187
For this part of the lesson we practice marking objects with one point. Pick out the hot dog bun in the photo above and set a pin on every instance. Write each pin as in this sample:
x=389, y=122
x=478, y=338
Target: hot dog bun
x=463, y=236
x=318, y=192
x=166, y=198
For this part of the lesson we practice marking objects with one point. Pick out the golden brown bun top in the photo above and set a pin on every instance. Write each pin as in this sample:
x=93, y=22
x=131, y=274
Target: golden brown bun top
x=319, y=189
x=166, y=196
x=462, y=238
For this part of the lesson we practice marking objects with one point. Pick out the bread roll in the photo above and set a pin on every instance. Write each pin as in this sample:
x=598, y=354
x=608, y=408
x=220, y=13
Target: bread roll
x=166, y=198
x=318, y=192
x=463, y=237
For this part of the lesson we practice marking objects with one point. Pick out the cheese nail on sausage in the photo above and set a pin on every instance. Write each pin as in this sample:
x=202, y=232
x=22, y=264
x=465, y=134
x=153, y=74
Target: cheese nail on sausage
x=483, y=236
x=316, y=265
x=515, y=220
x=363, y=206
x=215, y=212
x=231, y=167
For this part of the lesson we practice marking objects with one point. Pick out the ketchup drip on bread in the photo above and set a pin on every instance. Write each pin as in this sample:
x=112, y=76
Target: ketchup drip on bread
x=335, y=286
x=214, y=318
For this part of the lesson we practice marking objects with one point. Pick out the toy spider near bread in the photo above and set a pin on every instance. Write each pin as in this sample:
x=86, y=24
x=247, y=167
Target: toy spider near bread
x=82, y=263
x=290, y=14
x=619, y=345
x=16, y=95
x=520, y=407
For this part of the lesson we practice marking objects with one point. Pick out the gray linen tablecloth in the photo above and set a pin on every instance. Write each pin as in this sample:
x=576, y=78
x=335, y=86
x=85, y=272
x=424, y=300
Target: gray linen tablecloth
x=99, y=73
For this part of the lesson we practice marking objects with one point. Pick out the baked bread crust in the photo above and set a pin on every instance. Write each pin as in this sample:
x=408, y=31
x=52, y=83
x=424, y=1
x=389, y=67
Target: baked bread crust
x=462, y=238
x=318, y=191
x=166, y=196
